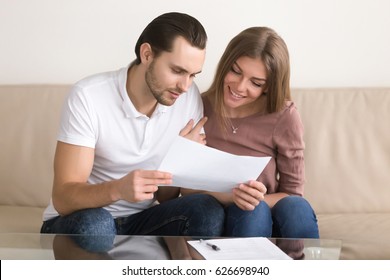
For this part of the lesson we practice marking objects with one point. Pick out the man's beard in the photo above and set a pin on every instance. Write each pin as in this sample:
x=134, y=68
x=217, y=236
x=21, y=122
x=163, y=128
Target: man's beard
x=155, y=89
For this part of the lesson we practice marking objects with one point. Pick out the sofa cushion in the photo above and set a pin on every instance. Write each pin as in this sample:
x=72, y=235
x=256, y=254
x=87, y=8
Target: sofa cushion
x=363, y=236
x=29, y=120
x=20, y=219
x=347, y=139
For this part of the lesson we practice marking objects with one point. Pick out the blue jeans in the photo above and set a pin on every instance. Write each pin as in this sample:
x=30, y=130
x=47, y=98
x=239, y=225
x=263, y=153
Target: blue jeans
x=192, y=215
x=291, y=217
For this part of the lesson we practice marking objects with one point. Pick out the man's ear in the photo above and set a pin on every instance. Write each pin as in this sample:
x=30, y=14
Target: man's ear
x=146, y=53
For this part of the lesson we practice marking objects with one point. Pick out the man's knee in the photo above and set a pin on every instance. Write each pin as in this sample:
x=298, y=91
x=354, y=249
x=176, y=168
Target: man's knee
x=207, y=215
x=95, y=221
x=240, y=223
x=207, y=205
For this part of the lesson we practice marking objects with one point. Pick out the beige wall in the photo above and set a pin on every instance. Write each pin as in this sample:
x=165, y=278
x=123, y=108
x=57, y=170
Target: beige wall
x=333, y=43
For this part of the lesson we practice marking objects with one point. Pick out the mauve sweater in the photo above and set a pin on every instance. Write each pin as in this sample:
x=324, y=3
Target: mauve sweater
x=279, y=135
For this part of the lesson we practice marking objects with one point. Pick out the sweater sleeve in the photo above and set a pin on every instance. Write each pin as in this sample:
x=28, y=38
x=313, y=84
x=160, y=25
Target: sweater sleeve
x=288, y=137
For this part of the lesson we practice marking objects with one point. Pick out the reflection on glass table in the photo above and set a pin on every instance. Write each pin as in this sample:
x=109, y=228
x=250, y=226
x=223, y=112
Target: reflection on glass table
x=121, y=247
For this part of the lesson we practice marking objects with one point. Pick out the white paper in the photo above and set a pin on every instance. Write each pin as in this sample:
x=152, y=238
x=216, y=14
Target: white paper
x=197, y=166
x=251, y=248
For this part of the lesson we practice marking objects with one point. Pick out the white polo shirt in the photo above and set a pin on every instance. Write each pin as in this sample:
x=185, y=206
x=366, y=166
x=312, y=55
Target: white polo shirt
x=99, y=114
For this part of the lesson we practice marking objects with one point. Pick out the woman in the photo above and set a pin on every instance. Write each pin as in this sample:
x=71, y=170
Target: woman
x=250, y=112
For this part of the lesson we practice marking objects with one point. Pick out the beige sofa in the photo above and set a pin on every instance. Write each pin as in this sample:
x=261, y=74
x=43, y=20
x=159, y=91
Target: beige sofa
x=347, y=137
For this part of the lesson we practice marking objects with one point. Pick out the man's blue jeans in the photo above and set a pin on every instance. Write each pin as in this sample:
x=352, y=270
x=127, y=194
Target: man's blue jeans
x=192, y=215
x=291, y=217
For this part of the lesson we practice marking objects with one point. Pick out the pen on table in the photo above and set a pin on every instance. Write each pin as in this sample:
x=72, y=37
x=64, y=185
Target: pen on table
x=213, y=246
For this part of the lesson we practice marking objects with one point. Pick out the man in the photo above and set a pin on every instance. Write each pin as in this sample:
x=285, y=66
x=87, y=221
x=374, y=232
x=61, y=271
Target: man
x=116, y=128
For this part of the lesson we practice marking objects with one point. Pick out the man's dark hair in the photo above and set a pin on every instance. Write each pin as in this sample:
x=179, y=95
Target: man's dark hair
x=163, y=30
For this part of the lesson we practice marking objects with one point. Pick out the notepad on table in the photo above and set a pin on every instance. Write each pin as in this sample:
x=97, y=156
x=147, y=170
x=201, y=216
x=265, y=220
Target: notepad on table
x=249, y=248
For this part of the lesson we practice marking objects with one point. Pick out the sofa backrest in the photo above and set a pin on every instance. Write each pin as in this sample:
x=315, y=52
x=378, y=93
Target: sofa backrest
x=29, y=118
x=347, y=155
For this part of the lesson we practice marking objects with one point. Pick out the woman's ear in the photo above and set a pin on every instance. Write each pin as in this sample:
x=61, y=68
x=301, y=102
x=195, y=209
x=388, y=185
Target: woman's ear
x=146, y=53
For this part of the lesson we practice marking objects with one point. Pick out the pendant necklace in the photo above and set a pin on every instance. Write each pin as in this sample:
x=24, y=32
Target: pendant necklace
x=234, y=129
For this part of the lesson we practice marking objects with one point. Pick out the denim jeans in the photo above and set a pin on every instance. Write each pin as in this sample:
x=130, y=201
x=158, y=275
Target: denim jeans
x=192, y=215
x=291, y=217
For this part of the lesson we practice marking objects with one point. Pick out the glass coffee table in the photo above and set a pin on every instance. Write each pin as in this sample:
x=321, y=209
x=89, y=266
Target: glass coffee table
x=22, y=246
